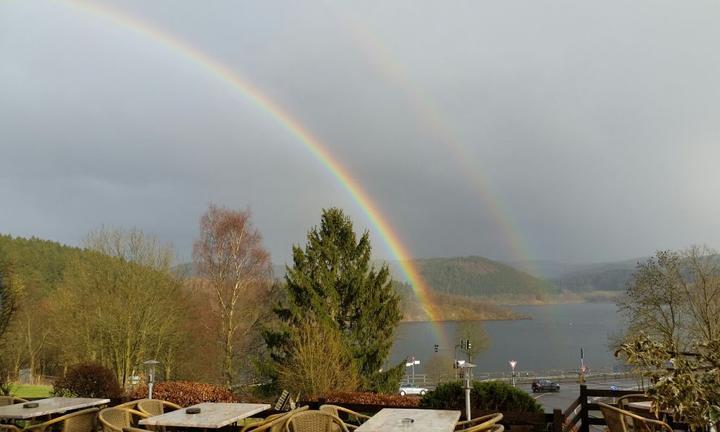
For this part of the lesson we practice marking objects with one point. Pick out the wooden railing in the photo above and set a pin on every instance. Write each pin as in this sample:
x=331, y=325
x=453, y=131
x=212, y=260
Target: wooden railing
x=578, y=416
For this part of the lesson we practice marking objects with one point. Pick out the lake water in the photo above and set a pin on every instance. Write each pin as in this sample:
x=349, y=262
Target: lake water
x=550, y=340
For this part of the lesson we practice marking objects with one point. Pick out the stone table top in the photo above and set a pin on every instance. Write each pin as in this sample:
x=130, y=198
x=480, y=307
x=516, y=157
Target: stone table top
x=390, y=420
x=212, y=415
x=54, y=405
x=641, y=405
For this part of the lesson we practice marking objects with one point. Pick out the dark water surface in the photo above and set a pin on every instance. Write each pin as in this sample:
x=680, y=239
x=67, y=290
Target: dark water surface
x=551, y=340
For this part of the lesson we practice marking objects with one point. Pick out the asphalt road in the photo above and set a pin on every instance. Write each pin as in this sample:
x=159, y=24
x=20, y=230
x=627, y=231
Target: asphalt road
x=570, y=391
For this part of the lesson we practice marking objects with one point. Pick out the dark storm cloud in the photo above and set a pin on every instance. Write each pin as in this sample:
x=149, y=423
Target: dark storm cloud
x=594, y=123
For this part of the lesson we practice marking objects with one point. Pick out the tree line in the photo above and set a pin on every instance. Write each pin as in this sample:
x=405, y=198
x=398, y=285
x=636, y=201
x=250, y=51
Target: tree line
x=118, y=301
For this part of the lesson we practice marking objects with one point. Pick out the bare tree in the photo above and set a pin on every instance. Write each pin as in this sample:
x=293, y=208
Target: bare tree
x=230, y=258
x=674, y=297
x=121, y=304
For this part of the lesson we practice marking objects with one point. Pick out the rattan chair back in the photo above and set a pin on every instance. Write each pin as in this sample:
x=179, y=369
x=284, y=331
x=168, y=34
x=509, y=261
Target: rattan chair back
x=314, y=421
x=619, y=420
x=79, y=421
x=482, y=423
x=115, y=419
x=355, y=418
x=273, y=423
x=155, y=407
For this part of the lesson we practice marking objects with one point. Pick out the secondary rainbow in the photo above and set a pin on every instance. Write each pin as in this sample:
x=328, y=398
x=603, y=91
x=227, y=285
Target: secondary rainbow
x=381, y=224
x=440, y=128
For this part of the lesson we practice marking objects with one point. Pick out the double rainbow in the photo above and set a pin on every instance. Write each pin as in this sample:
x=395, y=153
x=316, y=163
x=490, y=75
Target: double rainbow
x=288, y=122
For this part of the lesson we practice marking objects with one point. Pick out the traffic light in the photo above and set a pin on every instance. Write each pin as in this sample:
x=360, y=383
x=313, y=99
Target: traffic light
x=436, y=347
x=469, y=345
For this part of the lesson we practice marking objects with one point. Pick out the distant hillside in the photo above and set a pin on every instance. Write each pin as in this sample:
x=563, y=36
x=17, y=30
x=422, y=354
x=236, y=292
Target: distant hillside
x=583, y=278
x=483, y=278
x=476, y=277
x=598, y=277
x=548, y=269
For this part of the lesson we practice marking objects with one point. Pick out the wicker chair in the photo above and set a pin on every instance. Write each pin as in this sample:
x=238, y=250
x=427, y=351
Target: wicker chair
x=116, y=419
x=314, y=421
x=619, y=420
x=11, y=400
x=79, y=421
x=356, y=416
x=129, y=405
x=155, y=407
x=484, y=423
x=273, y=423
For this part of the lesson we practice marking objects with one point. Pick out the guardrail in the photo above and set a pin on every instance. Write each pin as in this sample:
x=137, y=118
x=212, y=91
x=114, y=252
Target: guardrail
x=522, y=377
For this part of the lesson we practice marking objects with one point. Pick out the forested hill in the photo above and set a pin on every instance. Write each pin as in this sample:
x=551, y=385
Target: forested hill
x=472, y=276
x=39, y=263
x=483, y=278
x=612, y=276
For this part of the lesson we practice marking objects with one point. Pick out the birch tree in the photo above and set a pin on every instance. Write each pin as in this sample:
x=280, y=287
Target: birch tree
x=235, y=269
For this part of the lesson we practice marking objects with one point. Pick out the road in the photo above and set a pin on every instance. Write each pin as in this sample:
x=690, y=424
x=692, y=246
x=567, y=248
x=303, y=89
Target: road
x=570, y=391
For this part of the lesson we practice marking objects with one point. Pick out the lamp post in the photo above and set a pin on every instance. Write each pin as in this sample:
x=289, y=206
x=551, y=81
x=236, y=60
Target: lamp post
x=513, y=363
x=411, y=362
x=467, y=368
x=150, y=366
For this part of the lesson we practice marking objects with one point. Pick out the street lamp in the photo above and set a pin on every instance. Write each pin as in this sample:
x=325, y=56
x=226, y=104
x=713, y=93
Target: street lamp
x=467, y=368
x=411, y=362
x=150, y=366
x=513, y=363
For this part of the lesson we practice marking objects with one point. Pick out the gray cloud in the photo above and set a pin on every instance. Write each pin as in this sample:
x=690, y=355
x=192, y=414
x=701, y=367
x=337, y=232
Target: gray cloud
x=593, y=123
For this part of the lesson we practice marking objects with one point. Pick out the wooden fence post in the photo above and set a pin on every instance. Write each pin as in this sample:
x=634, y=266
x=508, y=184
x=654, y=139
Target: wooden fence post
x=557, y=423
x=584, y=415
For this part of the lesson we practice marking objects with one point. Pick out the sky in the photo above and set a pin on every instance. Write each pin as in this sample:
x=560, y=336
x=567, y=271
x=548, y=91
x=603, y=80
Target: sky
x=516, y=130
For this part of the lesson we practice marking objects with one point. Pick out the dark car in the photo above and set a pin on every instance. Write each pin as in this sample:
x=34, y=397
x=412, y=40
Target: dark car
x=544, y=385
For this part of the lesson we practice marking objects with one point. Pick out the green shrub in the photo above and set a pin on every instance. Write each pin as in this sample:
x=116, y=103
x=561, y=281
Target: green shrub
x=484, y=396
x=185, y=393
x=88, y=380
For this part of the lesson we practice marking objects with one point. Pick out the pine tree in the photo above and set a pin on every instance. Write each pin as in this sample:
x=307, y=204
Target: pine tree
x=333, y=283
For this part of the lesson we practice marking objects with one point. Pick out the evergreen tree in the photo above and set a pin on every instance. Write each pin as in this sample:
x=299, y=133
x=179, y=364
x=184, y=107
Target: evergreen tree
x=333, y=283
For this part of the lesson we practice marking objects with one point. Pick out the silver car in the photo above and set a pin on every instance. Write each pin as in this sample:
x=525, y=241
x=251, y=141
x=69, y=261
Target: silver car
x=412, y=389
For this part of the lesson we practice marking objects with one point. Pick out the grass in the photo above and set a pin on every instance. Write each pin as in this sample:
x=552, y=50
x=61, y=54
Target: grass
x=32, y=391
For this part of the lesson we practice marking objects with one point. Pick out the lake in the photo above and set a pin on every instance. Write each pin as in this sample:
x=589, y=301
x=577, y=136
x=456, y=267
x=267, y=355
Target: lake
x=550, y=340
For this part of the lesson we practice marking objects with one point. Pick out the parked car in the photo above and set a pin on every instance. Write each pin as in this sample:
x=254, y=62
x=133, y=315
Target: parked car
x=544, y=385
x=412, y=389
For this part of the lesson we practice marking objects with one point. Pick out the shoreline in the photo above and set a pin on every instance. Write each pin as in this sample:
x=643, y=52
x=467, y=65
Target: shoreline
x=602, y=298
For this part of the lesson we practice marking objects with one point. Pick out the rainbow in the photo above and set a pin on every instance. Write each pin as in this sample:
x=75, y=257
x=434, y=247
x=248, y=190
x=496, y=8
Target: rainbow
x=311, y=143
x=435, y=121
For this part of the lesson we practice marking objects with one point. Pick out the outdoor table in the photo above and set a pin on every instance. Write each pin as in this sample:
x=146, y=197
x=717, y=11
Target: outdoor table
x=391, y=420
x=212, y=415
x=641, y=405
x=646, y=406
x=54, y=405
